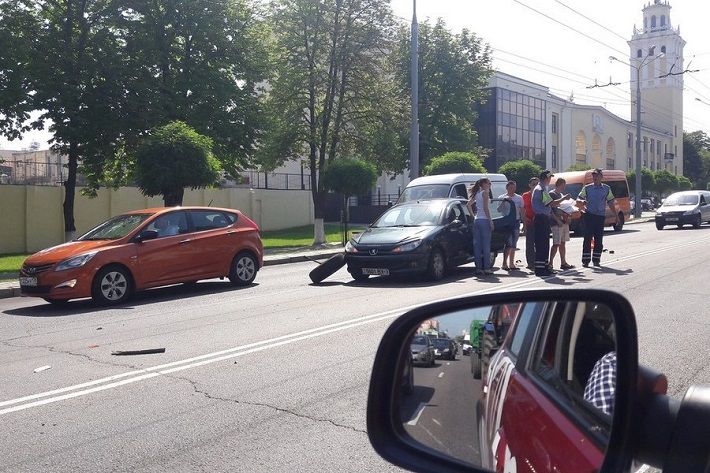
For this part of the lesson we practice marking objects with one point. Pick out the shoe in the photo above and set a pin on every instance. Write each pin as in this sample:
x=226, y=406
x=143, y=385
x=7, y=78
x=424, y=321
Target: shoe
x=586, y=265
x=597, y=264
x=567, y=266
x=505, y=268
x=487, y=272
x=544, y=273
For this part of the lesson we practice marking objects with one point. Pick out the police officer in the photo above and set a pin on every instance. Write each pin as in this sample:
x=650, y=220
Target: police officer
x=596, y=196
x=542, y=205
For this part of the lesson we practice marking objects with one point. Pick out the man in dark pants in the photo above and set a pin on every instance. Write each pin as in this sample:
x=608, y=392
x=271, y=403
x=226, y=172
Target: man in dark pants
x=542, y=205
x=596, y=196
x=528, y=225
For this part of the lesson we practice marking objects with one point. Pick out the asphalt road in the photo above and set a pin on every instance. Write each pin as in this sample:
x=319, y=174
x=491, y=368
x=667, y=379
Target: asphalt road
x=274, y=377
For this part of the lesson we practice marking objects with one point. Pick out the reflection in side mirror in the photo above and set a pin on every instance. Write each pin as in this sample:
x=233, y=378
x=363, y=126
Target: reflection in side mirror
x=146, y=235
x=536, y=394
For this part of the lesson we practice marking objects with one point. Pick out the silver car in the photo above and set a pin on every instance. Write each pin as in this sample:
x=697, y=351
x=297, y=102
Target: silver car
x=683, y=208
x=422, y=350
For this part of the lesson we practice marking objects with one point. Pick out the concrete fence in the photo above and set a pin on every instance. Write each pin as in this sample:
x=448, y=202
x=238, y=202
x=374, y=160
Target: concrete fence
x=31, y=217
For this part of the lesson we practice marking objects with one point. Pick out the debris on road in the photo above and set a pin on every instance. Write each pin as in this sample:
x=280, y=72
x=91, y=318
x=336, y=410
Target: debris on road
x=93, y=346
x=99, y=328
x=326, y=268
x=42, y=368
x=148, y=351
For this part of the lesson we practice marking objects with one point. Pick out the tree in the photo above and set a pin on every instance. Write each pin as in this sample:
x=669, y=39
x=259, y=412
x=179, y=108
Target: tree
x=454, y=70
x=648, y=181
x=696, y=158
x=173, y=157
x=684, y=184
x=579, y=167
x=520, y=171
x=349, y=177
x=454, y=162
x=664, y=182
x=332, y=93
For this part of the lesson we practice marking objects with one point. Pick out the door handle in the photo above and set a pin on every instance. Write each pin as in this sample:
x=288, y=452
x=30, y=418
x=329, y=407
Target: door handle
x=232, y=232
x=185, y=241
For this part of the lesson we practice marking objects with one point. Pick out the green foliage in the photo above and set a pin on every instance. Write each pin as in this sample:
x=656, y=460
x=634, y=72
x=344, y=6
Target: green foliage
x=349, y=177
x=696, y=158
x=454, y=69
x=173, y=157
x=648, y=181
x=520, y=171
x=664, y=182
x=454, y=162
x=684, y=184
x=579, y=167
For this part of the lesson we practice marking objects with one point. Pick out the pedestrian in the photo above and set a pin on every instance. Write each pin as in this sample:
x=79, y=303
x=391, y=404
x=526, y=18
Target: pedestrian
x=560, y=228
x=596, y=196
x=542, y=205
x=512, y=242
x=479, y=204
x=528, y=227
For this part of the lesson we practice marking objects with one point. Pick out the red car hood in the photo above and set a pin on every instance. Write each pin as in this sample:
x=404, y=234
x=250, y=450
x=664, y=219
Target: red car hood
x=59, y=253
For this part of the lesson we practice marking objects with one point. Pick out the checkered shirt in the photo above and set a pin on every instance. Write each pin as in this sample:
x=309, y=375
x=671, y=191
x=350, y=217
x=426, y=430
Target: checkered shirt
x=601, y=385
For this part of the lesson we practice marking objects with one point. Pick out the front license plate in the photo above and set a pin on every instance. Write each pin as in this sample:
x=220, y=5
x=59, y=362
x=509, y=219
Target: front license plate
x=672, y=219
x=28, y=282
x=376, y=271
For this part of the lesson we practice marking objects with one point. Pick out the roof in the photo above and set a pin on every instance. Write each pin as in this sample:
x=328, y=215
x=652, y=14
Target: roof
x=455, y=178
x=156, y=210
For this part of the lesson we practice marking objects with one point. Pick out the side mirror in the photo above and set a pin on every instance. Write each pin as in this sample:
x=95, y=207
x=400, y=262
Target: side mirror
x=559, y=395
x=146, y=235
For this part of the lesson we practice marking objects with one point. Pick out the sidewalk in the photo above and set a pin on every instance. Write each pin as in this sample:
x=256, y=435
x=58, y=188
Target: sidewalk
x=271, y=257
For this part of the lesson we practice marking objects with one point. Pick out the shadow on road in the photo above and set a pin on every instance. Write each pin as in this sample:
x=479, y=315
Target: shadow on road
x=150, y=296
x=409, y=404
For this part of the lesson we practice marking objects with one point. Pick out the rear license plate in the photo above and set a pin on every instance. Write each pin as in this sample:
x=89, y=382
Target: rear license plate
x=376, y=271
x=28, y=282
x=672, y=219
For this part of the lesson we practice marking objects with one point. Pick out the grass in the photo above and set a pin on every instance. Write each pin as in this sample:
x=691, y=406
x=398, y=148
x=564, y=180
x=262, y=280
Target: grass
x=303, y=236
x=11, y=263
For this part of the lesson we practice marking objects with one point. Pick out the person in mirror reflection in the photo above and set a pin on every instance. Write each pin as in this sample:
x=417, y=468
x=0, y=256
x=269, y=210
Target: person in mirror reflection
x=479, y=204
x=601, y=385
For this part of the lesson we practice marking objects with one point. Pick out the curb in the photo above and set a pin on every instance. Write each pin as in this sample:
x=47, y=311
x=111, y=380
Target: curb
x=9, y=292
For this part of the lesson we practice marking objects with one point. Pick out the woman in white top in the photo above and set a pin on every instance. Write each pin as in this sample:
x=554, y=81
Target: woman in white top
x=479, y=204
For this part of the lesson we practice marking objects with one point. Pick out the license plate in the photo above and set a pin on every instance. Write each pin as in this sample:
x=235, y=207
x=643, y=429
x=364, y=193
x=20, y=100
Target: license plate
x=376, y=271
x=28, y=282
x=672, y=219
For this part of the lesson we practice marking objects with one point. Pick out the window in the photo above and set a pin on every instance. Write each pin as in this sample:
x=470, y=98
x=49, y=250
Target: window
x=652, y=51
x=663, y=49
x=653, y=21
x=554, y=157
x=554, y=123
x=676, y=133
x=639, y=53
x=528, y=315
x=663, y=23
x=630, y=139
x=208, y=220
x=620, y=189
x=170, y=224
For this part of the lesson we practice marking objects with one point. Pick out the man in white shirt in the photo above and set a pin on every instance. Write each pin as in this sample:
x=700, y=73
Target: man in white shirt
x=511, y=244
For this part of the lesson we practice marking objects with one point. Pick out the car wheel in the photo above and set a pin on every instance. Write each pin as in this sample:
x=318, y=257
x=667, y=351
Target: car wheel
x=476, y=365
x=659, y=226
x=243, y=270
x=327, y=267
x=437, y=265
x=359, y=276
x=408, y=387
x=112, y=285
x=680, y=225
x=620, y=224
x=56, y=302
x=697, y=222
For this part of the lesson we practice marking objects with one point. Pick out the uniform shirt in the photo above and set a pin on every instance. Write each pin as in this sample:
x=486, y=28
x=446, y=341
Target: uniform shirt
x=597, y=198
x=541, y=201
x=517, y=202
x=601, y=385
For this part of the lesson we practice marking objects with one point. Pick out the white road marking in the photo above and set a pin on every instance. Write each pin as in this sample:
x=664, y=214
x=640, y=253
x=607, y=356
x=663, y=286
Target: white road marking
x=436, y=422
x=448, y=364
x=441, y=375
x=417, y=414
x=201, y=360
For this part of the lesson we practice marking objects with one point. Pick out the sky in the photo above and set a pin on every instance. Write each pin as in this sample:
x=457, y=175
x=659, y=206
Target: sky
x=529, y=45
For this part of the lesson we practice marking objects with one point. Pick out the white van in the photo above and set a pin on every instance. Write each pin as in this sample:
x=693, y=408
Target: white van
x=449, y=185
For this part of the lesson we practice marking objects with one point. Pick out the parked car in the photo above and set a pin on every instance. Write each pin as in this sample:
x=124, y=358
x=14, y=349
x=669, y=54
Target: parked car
x=564, y=393
x=682, y=208
x=428, y=237
x=444, y=348
x=143, y=249
x=449, y=185
x=422, y=351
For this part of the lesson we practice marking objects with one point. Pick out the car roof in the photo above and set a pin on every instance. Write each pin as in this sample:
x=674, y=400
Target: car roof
x=455, y=178
x=158, y=210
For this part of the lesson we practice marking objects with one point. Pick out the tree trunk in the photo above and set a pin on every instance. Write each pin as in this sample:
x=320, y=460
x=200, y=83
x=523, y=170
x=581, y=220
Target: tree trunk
x=70, y=192
x=174, y=198
x=319, y=213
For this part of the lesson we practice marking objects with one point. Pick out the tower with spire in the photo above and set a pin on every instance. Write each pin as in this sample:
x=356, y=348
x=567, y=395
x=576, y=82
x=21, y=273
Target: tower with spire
x=659, y=46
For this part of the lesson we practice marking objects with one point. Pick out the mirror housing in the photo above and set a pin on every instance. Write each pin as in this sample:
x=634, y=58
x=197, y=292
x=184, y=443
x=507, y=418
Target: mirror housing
x=387, y=433
x=146, y=235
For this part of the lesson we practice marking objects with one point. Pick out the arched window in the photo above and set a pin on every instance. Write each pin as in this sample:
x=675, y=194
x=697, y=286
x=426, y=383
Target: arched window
x=645, y=23
x=663, y=49
x=663, y=20
x=581, y=147
x=652, y=51
x=639, y=53
x=610, y=153
x=653, y=21
x=596, y=151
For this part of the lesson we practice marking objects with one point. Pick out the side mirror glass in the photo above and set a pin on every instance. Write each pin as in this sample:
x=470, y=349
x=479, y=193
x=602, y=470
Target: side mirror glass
x=547, y=386
x=146, y=235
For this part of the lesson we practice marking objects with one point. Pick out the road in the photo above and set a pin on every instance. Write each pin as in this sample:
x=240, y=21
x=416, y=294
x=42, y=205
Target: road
x=274, y=377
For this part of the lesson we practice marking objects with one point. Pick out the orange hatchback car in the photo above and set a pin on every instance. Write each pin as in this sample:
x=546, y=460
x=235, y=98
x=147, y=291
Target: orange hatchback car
x=143, y=249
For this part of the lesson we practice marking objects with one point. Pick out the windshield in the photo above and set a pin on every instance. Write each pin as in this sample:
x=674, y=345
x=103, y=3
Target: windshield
x=441, y=343
x=681, y=199
x=419, y=340
x=425, y=214
x=428, y=191
x=115, y=228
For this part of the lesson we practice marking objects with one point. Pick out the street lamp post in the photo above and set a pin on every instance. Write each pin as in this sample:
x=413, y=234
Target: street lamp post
x=637, y=190
x=414, y=131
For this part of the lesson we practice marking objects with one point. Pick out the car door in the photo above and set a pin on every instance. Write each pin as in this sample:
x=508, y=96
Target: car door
x=214, y=240
x=166, y=258
x=457, y=234
x=705, y=206
x=504, y=217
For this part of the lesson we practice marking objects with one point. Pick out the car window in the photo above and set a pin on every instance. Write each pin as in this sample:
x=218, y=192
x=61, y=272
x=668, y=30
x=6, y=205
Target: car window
x=456, y=213
x=115, y=228
x=459, y=190
x=620, y=189
x=208, y=220
x=170, y=224
x=426, y=191
x=527, y=316
x=419, y=214
x=500, y=208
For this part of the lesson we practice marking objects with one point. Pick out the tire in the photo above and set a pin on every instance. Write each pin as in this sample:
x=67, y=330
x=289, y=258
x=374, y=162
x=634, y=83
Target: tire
x=112, y=285
x=659, y=226
x=680, y=225
x=243, y=269
x=408, y=387
x=437, y=265
x=619, y=226
x=698, y=222
x=359, y=276
x=327, y=267
x=487, y=344
x=56, y=302
x=476, y=365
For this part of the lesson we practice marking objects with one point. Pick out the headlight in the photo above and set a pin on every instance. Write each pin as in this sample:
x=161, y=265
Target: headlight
x=350, y=248
x=412, y=245
x=75, y=262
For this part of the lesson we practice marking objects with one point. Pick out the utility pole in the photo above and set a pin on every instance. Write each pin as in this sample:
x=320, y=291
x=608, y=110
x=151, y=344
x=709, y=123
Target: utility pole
x=414, y=131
